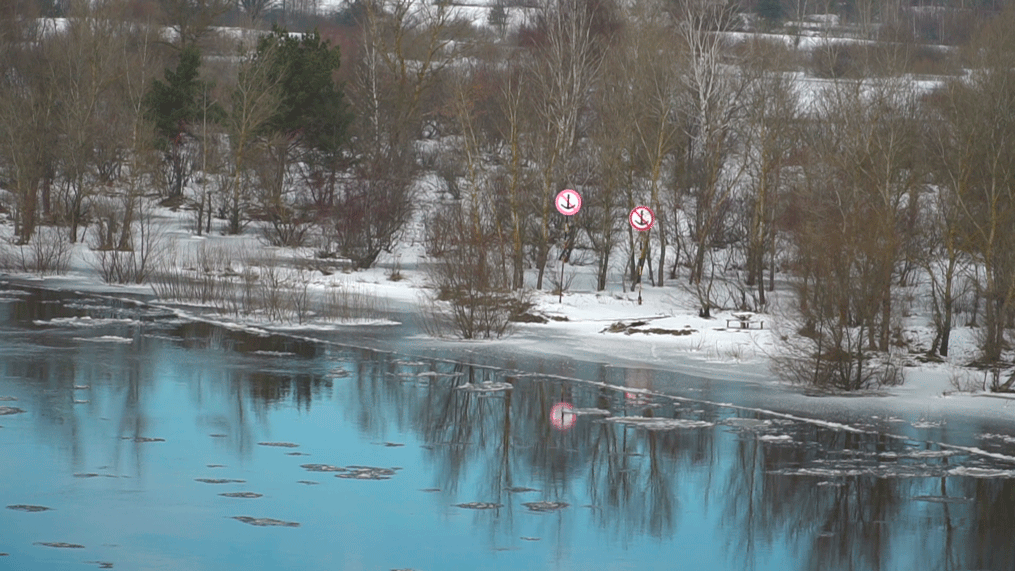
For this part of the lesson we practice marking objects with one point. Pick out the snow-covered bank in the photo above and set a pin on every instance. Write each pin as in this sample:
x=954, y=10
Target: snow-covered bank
x=663, y=333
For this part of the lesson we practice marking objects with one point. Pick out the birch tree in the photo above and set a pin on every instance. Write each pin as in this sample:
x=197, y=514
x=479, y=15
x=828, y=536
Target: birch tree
x=566, y=67
x=714, y=105
x=255, y=100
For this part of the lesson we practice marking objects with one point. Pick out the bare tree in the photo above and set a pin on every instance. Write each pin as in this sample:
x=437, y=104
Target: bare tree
x=714, y=106
x=28, y=136
x=191, y=19
x=406, y=46
x=567, y=65
x=861, y=172
x=254, y=101
x=770, y=139
x=85, y=65
x=655, y=82
x=635, y=133
x=256, y=8
x=514, y=178
x=977, y=171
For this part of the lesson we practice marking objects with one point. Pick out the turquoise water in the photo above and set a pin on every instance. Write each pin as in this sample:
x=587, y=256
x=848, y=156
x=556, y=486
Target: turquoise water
x=162, y=403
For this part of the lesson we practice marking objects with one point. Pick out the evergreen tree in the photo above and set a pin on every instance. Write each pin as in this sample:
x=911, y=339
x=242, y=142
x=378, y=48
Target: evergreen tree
x=172, y=105
x=311, y=103
x=770, y=10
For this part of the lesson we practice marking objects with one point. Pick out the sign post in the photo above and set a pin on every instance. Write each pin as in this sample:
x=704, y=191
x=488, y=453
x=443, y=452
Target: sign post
x=568, y=203
x=642, y=219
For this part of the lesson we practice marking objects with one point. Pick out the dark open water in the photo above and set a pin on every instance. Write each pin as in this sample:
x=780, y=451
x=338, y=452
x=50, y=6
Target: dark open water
x=133, y=427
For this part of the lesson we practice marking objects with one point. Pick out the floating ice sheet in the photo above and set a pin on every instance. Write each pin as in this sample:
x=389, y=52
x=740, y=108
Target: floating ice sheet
x=981, y=472
x=106, y=339
x=322, y=468
x=479, y=506
x=649, y=423
x=486, y=386
x=28, y=508
x=265, y=521
x=590, y=412
x=545, y=506
x=366, y=473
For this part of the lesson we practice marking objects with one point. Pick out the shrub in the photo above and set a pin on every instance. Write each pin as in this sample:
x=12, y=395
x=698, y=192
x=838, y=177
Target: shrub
x=471, y=294
x=47, y=252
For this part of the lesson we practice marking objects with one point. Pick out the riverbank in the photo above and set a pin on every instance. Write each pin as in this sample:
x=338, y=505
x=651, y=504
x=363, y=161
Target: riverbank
x=662, y=333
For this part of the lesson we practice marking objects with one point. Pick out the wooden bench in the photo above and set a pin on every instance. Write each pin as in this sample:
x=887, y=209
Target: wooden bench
x=745, y=321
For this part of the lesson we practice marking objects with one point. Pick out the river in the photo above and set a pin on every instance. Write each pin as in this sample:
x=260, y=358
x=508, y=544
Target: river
x=131, y=438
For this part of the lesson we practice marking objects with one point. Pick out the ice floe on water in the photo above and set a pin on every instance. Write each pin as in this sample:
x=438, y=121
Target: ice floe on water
x=943, y=499
x=322, y=468
x=296, y=454
x=927, y=424
x=16, y=292
x=106, y=339
x=59, y=545
x=981, y=472
x=436, y=375
x=274, y=353
x=142, y=439
x=529, y=538
x=101, y=564
x=918, y=454
x=479, y=506
x=590, y=412
x=520, y=490
x=307, y=482
x=85, y=321
x=265, y=521
x=366, y=473
x=8, y=399
x=240, y=495
x=28, y=508
x=219, y=481
x=279, y=444
x=486, y=386
x=545, y=506
x=1002, y=437
x=651, y=423
x=5, y=410
x=775, y=438
x=745, y=423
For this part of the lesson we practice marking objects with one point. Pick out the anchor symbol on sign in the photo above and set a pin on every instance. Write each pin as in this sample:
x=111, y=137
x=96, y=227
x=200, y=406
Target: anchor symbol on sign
x=567, y=202
x=641, y=217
